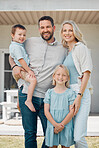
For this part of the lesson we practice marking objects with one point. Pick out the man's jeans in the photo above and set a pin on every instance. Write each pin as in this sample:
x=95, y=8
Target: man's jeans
x=29, y=119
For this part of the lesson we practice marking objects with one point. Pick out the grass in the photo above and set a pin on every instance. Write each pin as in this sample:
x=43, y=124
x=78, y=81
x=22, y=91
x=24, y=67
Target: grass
x=18, y=142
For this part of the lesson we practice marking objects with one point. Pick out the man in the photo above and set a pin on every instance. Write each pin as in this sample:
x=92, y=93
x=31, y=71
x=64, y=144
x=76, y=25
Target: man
x=44, y=53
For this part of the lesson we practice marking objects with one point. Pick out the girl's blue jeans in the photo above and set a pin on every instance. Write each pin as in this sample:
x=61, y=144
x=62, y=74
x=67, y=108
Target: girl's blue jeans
x=29, y=119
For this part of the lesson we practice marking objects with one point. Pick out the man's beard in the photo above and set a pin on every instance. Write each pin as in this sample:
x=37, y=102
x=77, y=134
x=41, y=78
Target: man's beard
x=47, y=39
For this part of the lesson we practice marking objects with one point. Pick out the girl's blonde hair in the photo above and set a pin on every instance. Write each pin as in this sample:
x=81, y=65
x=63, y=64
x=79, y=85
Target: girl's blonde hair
x=67, y=72
x=77, y=33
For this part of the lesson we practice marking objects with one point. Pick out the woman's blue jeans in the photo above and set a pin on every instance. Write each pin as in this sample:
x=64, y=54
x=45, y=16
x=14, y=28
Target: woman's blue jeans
x=80, y=120
x=29, y=119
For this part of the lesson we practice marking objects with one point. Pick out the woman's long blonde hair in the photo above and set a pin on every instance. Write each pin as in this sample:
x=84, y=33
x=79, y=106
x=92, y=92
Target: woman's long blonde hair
x=67, y=72
x=77, y=33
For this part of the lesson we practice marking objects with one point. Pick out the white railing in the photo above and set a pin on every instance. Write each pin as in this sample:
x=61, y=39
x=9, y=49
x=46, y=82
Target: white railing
x=10, y=105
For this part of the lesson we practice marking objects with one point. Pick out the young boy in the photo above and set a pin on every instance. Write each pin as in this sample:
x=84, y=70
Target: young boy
x=18, y=53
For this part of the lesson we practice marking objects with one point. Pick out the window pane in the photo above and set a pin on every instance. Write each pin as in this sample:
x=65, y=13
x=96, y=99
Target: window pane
x=9, y=81
x=6, y=63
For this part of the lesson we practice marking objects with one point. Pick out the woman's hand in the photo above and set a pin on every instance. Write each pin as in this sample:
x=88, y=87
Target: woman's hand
x=84, y=82
x=76, y=104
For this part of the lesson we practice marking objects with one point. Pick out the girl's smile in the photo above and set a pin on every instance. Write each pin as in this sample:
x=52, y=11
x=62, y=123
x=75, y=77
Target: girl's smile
x=60, y=76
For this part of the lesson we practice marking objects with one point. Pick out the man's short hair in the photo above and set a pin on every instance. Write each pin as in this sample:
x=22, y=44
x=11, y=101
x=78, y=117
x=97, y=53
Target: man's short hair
x=46, y=18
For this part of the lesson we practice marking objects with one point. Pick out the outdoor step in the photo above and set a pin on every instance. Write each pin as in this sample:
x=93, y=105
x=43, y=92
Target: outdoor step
x=13, y=127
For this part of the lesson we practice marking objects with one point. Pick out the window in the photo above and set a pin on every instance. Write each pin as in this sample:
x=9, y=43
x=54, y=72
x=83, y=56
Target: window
x=9, y=82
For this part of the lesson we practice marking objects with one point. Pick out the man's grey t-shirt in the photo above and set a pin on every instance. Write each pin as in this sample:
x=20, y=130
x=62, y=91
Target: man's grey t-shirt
x=44, y=58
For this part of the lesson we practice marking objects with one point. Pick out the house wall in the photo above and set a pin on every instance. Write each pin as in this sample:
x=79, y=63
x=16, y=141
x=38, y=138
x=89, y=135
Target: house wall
x=48, y=4
x=91, y=35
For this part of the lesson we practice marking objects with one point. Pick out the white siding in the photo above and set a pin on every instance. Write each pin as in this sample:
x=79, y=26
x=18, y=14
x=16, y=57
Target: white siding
x=48, y=4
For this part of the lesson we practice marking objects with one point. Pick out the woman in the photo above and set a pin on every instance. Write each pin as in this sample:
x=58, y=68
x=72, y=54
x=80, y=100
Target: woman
x=79, y=64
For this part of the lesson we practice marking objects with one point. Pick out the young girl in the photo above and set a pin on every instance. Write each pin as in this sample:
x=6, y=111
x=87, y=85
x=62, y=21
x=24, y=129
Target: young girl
x=18, y=53
x=57, y=103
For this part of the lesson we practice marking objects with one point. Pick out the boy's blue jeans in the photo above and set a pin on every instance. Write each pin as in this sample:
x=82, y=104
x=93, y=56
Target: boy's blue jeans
x=29, y=119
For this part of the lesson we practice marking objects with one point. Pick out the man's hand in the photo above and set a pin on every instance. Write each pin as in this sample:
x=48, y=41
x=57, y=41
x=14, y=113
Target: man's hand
x=17, y=71
x=31, y=73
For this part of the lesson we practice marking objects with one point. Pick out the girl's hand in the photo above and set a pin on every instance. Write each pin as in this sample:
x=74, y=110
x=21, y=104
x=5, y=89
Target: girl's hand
x=56, y=131
x=58, y=128
x=76, y=104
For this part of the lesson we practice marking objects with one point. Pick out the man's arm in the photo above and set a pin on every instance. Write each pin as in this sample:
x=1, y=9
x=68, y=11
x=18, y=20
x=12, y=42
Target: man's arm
x=16, y=70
